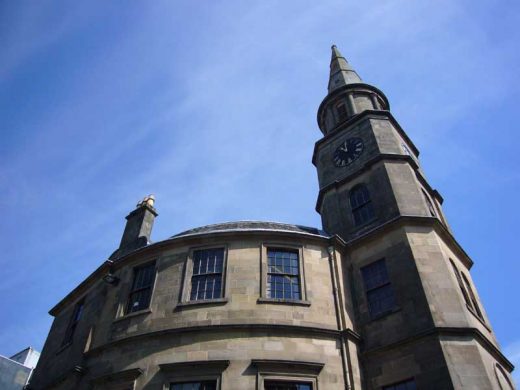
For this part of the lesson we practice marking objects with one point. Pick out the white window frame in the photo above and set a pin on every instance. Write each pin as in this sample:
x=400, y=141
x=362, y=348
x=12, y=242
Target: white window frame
x=264, y=272
x=188, y=273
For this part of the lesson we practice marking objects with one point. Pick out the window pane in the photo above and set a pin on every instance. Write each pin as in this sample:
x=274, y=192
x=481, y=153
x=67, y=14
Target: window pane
x=208, y=261
x=359, y=196
x=139, y=300
x=73, y=323
x=283, y=274
x=272, y=385
x=206, y=287
x=375, y=275
x=143, y=277
x=206, y=385
x=362, y=209
x=379, y=292
x=381, y=300
x=473, y=297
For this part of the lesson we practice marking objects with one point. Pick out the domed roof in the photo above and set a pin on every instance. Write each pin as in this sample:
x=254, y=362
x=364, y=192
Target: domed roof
x=252, y=226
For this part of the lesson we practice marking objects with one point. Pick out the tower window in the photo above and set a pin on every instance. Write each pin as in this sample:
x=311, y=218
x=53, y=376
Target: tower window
x=361, y=205
x=473, y=298
x=206, y=279
x=74, y=320
x=283, y=274
x=378, y=290
x=461, y=284
x=341, y=109
x=406, y=385
x=405, y=149
x=430, y=204
x=142, y=285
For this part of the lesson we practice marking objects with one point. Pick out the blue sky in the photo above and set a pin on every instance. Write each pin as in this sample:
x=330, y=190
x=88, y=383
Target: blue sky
x=211, y=106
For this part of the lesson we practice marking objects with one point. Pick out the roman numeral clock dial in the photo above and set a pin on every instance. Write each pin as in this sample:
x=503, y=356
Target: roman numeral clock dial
x=348, y=152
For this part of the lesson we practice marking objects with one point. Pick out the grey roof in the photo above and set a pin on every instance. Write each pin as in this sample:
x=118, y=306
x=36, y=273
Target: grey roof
x=253, y=226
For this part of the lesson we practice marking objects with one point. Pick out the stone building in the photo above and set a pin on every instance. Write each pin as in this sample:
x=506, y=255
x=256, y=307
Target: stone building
x=381, y=298
x=16, y=370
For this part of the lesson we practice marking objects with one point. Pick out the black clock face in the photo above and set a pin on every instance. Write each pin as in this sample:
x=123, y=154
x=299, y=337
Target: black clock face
x=348, y=151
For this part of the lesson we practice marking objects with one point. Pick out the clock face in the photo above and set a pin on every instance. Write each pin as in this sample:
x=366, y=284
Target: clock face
x=348, y=151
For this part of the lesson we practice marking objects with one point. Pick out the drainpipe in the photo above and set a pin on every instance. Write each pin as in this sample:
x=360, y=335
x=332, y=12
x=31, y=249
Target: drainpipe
x=338, y=303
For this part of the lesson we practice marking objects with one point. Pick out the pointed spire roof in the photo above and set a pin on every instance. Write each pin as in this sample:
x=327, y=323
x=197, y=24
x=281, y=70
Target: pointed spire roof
x=341, y=73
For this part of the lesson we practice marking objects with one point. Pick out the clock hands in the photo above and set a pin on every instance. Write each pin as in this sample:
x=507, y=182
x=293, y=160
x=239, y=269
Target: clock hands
x=348, y=151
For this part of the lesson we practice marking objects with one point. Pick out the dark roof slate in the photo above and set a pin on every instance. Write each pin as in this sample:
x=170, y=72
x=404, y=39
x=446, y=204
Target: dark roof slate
x=251, y=226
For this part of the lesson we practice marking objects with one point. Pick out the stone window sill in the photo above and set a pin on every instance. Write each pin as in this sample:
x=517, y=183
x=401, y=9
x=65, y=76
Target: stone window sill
x=216, y=301
x=281, y=301
x=133, y=314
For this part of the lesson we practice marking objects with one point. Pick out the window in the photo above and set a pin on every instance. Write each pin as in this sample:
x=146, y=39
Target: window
x=361, y=204
x=286, y=375
x=142, y=286
x=406, y=385
x=276, y=385
x=473, y=298
x=206, y=385
x=430, y=204
x=342, y=112
x=74, y=320
x=206, y=279
x=193, y=375
x=502, y=378
x=378, y=289
x=283, y=274
x=461, y=285
x=405, y=149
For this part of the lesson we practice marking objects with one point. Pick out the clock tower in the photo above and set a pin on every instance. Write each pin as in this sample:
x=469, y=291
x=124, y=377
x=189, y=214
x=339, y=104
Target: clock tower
x=417, y=311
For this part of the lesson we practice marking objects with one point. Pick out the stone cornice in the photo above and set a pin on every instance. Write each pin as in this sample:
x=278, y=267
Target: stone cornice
x=111, y=266
x=102, y=270
x=261, y=327
x=345, y=89
x=355, y=120
x=411, y=220
x=448, y=331
x=367, y=166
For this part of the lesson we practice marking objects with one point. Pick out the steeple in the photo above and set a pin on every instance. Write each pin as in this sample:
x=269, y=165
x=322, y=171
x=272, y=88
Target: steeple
x=348, y=95
x=341, y=73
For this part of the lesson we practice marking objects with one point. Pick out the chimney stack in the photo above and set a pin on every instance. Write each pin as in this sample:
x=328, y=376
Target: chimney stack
x=138, y=227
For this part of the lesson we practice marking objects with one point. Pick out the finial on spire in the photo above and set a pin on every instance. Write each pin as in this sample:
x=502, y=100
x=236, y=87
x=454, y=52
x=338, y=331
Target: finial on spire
x=341, y=73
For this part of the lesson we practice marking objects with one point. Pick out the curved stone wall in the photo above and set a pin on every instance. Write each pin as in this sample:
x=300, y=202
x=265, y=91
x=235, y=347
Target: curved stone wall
x=240, y=339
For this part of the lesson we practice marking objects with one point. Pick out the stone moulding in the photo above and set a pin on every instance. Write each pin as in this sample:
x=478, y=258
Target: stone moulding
x=121, y=376
x=206, y=366
x=450, y=331
x=289, y=366
x=327, y=332
x=371, y=114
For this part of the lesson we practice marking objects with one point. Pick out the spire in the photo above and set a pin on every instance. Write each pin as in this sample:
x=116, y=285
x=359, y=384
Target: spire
x=341, y=73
